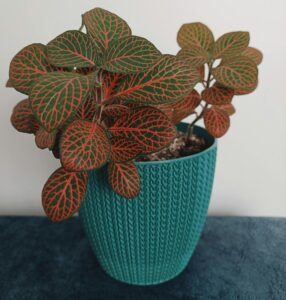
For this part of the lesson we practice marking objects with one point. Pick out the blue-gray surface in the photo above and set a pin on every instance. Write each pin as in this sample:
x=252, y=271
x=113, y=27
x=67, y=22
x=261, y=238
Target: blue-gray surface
x=237, y=258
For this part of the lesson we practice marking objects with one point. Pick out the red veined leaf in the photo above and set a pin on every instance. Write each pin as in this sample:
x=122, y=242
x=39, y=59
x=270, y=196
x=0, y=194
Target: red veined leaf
x=228, y=108
x=63, y=194
x=88, y=107
x=247, y=90
x=195, y=34
x=22, y=118
x=179, y=110
x=115, y=110
x=237, y=73
x=254, y=54
x=27, y=66
x=131, y=54
x=104, y=27
x=231, y=44
x=45, y=139
x=84, y=146
x=148, y=126
x=123, y=149
x=72, y=48
x=57, y=96
x=124, y=179
x=168, y=80
x=218, y=94
x=195, y=56
x=216, y=121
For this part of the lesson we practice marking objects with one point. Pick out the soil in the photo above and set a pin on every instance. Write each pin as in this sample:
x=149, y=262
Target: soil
x=180, y=147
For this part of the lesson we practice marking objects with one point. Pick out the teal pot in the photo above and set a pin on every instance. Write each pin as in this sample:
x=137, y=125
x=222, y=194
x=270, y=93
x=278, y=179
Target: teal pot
x=150, y=239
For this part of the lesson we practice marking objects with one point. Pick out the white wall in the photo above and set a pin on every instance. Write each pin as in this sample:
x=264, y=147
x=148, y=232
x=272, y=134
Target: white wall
x=250, y=177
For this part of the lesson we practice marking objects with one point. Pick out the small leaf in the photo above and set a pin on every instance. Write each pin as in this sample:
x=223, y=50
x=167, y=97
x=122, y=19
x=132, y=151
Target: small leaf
x=123, y=150
x=218, y=95
x=148, y=126
x=104, y=27
x=9, y=83
x=247, y=90
x=195, y=56
x=254, y=54
x=84, y=146
x=27, y=66
x=63, y=194
x=216, y=121
x=228, y=108
x=45, y=139
x=195, y=34
x=131, y=54
x=231, y=44
x=71, y=49
x=57, y=96
x=23, y=119
x=179, y=110
x=237, y=73
x=168, y=80
x=116, y=110
x=124, y=179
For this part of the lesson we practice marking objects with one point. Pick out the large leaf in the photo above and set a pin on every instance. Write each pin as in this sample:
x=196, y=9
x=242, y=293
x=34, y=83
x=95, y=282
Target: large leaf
x=148, y=126
x=84, y=146
x=246, y=90
x=231, y=44
x=168, y=80
x=104, y=27
x=217, y=121
x=237, y=73
x=195, y=56
x=71, y=49
x=123, y=149
x=254, y=54
x=27, y=66
x=57, y=96
x=179, y=110
x=63, y=194
x=218, y=94
x=44, y=139
x=22, y=118
x=124, y=179
x=195, y=34
x=109, y=82
x=131, y=54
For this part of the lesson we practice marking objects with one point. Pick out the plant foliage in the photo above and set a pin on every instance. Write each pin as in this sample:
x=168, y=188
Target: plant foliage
x=107, y=97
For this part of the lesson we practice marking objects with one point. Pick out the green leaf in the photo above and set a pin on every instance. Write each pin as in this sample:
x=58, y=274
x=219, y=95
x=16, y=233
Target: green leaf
x=27, y=66
x=195, y=56
x=71, y=49
x=168, y=80
x=104, y=27
x=130, y=54
x=84, y=146
x=231, y=44
x=23, y=119
x=124, y=179
x=216, y=121
x=246, y=90
x=195, y=34
x=148, y=126
x=57, y=96
x=123, y=149
x=218, y=94
x=44, y=139
x=63, y=194
x=237, y=73
x=254, y=54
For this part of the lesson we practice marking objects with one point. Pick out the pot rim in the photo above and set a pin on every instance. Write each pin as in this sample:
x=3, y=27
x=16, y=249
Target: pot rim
x=193, y=156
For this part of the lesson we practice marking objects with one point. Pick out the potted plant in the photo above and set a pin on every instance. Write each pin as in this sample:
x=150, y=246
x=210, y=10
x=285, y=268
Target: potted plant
x=109, y=105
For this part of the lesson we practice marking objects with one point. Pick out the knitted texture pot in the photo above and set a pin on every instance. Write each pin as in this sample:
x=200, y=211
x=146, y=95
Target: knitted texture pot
x=150, y=239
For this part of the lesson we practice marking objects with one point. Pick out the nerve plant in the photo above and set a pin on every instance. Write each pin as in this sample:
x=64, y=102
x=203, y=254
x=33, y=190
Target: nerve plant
x=107, y=96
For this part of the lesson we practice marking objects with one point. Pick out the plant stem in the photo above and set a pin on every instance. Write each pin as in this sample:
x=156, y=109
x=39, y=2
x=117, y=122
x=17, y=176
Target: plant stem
x=199, y=116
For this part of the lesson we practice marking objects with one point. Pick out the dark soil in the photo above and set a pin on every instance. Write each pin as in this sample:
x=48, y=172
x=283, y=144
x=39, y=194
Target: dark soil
x=180, y=147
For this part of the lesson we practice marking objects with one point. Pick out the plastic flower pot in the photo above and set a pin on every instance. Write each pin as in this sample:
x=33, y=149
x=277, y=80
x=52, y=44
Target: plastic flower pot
x=150, y=239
